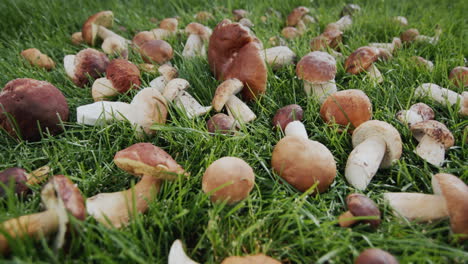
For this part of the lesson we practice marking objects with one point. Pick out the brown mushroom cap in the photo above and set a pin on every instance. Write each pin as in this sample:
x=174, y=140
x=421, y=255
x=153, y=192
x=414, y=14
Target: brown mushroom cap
x=158, y=51
x=198, y=29
x=316, y=67
x=290, y=32
x=287, y=114
x=145, y=159
x=18, y=178
x=77, y=38
x=303, y=163
x=296, y=15
x=385, y=131
x=330, y=38
x=345, y=107
x=361, y=205
x=409, y=35
x=221, y=123
x=90, y=29
x=459, y=76
x=123, y=74
x=254, y=259
x=25, y=102
x=170, y=24
x=375, y=256
x=435, y=130
x=141, y=37
x=36, y=58
x=239, y=14
x=234, y=174
x=234, y=53
x=361, y=59
x=89, y=63
x=70, y=195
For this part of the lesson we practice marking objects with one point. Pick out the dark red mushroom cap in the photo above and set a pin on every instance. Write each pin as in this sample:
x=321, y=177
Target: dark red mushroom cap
x=375, y=256
x=287, y=114
x=89, y=63
x=16, y=176
x=123, y=74
x=26, y=102
x=361, y=59
x=361, y=205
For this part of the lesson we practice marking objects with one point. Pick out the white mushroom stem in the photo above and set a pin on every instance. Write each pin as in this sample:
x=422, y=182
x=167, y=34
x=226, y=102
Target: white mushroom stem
x=194, y=47
x=159, y=83
x=441, y=95
x=364, y=161
x=296, y=129
x=320, y=90
x=239, y=110
x=390, y=47
x=102, y=88
x=430, y=40
x=374, y=74
x=102, y=112
x=177, y=254
x=418, y=206
x=69, y=65
x=464, y=106
x=160, y=33
x=191, y=106
x=167, y=74
x=278, y=57
x=344, y=23
x=105, y=33
x=431, y=150
x=409, y=117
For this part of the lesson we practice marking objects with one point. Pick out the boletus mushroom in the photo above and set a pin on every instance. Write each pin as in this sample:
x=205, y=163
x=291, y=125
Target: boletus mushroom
x=175, y=90
x=167, y=73
x=360, y=206
x=412, y=35
x=459, y=76
x=85, y=64
x=177, y=254
x=252, y=259
x=443, y=96
x=198, y=36
x=98, y=25
x=36, y=58
x=286, y=115
x=225, y=96
x=278, y=57
x=375, y=256
x=19, y=180
x=417, y=113
x=221, y=123
x=30, y=107
x=362, y=60
x=422, y=62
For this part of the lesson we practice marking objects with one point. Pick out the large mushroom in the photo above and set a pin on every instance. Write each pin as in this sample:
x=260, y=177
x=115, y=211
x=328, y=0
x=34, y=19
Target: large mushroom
x=376, y=144
x=36, y=58
x=318, y=70
x=85, y=64
x=61, y=198
x=141, y=160
x=30, y=107
x=198, y=35
x=362, y=60
x=19, y=180
x=360, y=206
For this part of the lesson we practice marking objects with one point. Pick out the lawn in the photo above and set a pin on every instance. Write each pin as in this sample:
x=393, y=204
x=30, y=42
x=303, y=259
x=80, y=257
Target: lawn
x=276, y=219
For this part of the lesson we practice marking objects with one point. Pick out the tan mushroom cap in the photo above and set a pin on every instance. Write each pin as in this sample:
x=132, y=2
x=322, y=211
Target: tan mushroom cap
x=290, y=32
x=158, y=51
x=459, y=76
x=234, y=174
x=221, y=123
x=170, y=24
x=36, y=58
x=316, y=67
x=303, y=163
x=70, y=195
x=145, y=159
x=89, y=63
x=234, y=53
x=296, y=15
x=330, y=38
x=455, y=192
x=385, y=131
x=224, y=91
x=198, y=29
x=375, y=256
x=409, y=35
x=123, y=75
x=141, y=37
x=345, y=107
x=90, y=29
x=239, y=14
x=77, y=38
x=361, y=205
x=361, y=59
x=254, y=259
x=436, y=130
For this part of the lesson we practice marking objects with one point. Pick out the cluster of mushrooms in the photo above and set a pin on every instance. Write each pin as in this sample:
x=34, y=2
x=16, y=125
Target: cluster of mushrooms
x=238, y=60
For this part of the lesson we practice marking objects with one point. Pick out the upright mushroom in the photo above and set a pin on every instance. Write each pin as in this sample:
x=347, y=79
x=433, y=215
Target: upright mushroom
x=328, y=41
x=198, y=35
x=363, y=59
x=86, y=63
x=20, y=180
x=156, y=51
x=177, y=254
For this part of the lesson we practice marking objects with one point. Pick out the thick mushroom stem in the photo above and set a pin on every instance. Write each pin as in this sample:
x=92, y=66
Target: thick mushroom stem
x=278, y=57
x=431, y=150
x=116, y=209
x=239, y=110
x=69, y=65
x=296, y=129
x=191, y=106
x=177, y=254
x=320, y=90
x=101, y=112
x=194, y=47
x=418, y=206
x=441, y=95
x=343, y=23
x=374, y=74
x=105, y=33
x=364, y=161
x=346, y=219
x=430, y=40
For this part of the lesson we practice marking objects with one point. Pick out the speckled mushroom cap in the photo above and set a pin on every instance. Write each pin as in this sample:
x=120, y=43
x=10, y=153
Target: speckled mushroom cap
x=361, y=205
x=90, y=29
x=157, y=50
x=459, y=76
x=15, y=175
x=348, y=106
x=123, y=75
x=89, y=63
x=296, y=15
x=145, y=159
x=455, y=192
x=69, y=193
x=385, y=131
x=234, y=53
x=254, y=259
x=361, y=59
x=30, y=101
x=423, y=110
x=409, y=35
x=435, y=130
x=316, y=67
x=375, y=256
x=290, y=32
x=303, y=163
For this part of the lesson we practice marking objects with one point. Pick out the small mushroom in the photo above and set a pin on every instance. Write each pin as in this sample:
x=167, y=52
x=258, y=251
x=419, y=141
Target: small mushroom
x=177, y=254
x=363, y=59
x=286, y=115
x=175, y=90
x=328, y=39
x=115, y=45
x=298, y=18
x=318, y=70
x=20, y=180
x=203, y=16
x=459, y=76
x=77, y=38
x=350, y=10
x=30, y=107
x=253, y=259
x=441, y=95
x=156, y=51
x=198, y=36
x=342, y=24
x=61, y=198
x=246, y=22
x=376, y=144
x=401, y=20
x=167, y=74
x=228, y=179
x=121, y=76
x=360, y=206
x=36, y=58
x=434, y=138
x=97, y=26
x=85, y=64
x=290, y=32
x=387, y=48
x=420, y=61
x=412, y=35
x=225, y=96
x=348, y=107
x=221, y=123
x=417, y=113
x=239, y=14
x=375, y=256
x=278, y=57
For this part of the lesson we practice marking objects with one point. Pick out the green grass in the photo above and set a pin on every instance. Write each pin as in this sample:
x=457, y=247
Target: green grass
x=275, y=219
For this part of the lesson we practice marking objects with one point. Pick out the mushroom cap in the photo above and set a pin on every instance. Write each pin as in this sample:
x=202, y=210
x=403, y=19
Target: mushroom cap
x=423, y=110
x=385, y=131
x=254, y=259
x=296, y=15
x=89, y=63
x=331, y=38
x=15, y=175
x=69, y=193
x=198, y=29
x=123, y=74
x=234, y=174
x=303, y=163
x=361, y=205
x=151, y=107
x=409, y=35
x=25, y=102
x=350, y=9
x=170, y=24
x=221, y=123
x=77, y=38
x=141, y=37
x=361, y=59
x=36, y=58
x=90, y=29
x=455, y=192
x=345, y=107
x=224, y=91
x=459, y=76
x=375, y=256
x=203, y=16
x=239, y=14
x=287, y=114
x=290, y=32
x=157, y=50
x=435, y=130
x=316, y=67
x=234, y=53
x=145, y=159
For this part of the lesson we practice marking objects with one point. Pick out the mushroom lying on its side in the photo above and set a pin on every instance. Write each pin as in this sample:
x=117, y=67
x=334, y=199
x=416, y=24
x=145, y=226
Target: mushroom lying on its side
x=20, y=180
x=97, y=26
x=412, y=35
x=36, y=58
x=86, y=63
x=175, y=90
x=225, y=95
x=417, y=113
x=360, y=206
x=443, y=96
x=362, y=60
x=167, y=74
x=420, y=61
x=278, y=57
